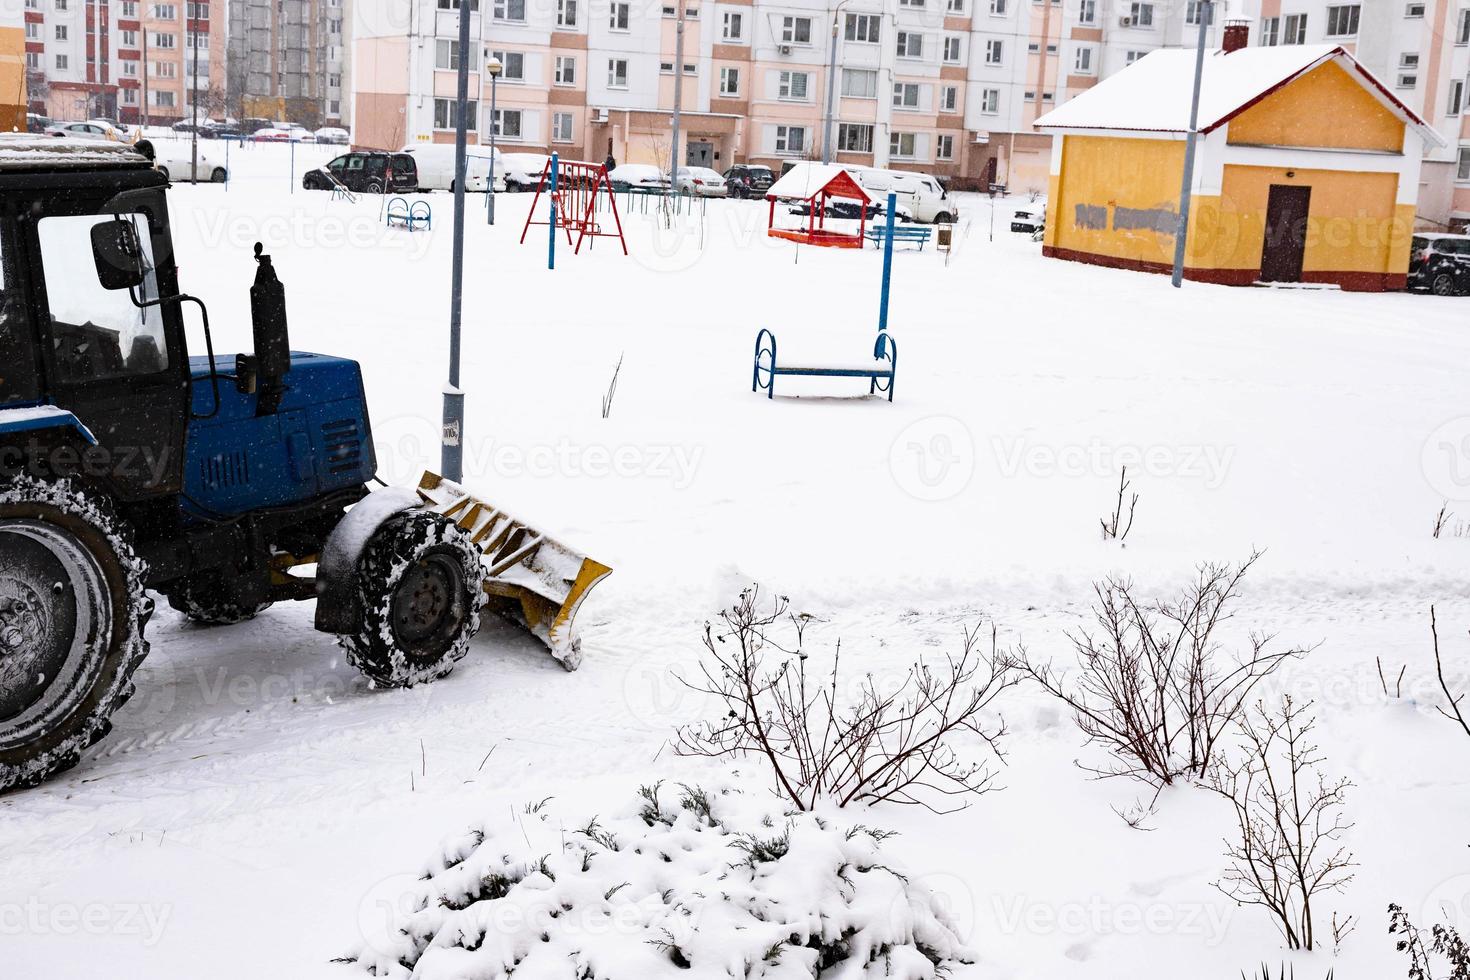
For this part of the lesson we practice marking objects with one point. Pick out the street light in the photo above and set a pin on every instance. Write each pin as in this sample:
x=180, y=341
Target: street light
x=493, y=68
x=831, y=76
x=451, y=450
x=1206, y=10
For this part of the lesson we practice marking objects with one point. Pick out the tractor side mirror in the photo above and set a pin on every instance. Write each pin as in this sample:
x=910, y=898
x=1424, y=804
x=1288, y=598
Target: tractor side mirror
x=118, y=254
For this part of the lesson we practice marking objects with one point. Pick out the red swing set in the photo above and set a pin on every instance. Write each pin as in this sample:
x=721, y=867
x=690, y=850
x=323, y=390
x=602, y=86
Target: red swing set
x=575, y=196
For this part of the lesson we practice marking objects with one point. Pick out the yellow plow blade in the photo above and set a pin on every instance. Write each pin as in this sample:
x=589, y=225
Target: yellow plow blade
x=530, y=576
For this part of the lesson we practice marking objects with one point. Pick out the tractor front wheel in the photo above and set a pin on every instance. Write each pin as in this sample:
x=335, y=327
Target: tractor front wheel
x=419, y=585
x=72, y=614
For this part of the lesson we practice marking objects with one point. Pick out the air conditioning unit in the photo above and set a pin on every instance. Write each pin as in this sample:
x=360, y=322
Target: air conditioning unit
x=980, y=138
x=1125, y=21
x=599, y=115
x=783, y=48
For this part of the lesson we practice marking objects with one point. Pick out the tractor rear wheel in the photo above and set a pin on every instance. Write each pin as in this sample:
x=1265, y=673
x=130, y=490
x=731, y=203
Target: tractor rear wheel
x=72, y=615
x=419, y=585
x=214, y=601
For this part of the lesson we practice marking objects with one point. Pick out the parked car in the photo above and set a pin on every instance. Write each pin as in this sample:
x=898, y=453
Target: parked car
x=435, y=163
x=368, y=171
x=91, y=130
x=748, y=180
x=699, y=181
x=920, y=195
x=1029, y=220
x=186, y=126
x=334, y=135
x=523, y=170
x=178, y=163
x=1440, y=263
x=37, y=123
x=254, y=124
x=637, y=176
x=225, y=131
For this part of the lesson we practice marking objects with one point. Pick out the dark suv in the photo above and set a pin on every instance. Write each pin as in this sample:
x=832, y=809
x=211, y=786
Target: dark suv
x=748, y=180
x=367, y=171
x=1440, y=264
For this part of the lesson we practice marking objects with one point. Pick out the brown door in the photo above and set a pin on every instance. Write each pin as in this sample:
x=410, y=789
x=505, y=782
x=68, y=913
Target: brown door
x=1286, y=233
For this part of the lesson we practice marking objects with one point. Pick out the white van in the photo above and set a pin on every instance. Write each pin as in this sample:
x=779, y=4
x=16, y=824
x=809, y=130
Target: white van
x=435, y=162
x=920, y=196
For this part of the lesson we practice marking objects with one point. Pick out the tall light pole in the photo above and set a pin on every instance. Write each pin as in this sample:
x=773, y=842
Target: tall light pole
x=1181, y=234
x=451, y=454
x=831, y=86
x=493, y=68
x=678, y=99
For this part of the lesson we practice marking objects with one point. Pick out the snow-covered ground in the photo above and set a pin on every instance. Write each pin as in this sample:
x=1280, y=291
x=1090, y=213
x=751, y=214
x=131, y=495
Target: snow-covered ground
x=256, y=802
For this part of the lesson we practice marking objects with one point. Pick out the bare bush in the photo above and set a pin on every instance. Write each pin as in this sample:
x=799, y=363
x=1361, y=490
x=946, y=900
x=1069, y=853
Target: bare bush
x=1445, y=944
x=1398, y=684
x=1289, y=820
x=612, y=389
x=1454, y=713
x=1155, y=688
x=877, y=746
x=1441, y=520
x=1114, y=529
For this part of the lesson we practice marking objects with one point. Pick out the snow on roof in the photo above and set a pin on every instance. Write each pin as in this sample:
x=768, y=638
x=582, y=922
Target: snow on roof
x=1154, y=93
x=24, y=151
x=805, y=180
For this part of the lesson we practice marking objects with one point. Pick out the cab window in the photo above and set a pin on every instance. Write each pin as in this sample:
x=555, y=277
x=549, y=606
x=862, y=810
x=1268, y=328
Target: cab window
x=17, y=361
x=337, y=164
x=354, y=163
x=96, y=333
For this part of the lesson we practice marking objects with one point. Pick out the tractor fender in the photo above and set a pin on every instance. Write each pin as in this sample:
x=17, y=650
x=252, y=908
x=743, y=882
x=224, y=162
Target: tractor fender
x=337, y=608
x=37, y=418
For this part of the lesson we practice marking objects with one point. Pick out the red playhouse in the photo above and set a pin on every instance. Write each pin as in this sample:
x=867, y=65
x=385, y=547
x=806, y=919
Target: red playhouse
x=816, y=184
x=575, y=198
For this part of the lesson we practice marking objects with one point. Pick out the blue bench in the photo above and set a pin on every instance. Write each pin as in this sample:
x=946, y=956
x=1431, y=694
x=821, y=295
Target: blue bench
x=410, y=216
x=901, y=233
x=879, y=373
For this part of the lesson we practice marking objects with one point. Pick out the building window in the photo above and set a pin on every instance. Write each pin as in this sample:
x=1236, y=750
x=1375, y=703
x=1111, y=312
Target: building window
x=1132, y=56
x=1462, y=36
x=796, y=30
x=512, y=65
x=790, y=139
x=128, y=96
x=952, y=50
x=1409, y=59
x=61, y=32
x=1029, y=96
x=902, y=145
x=911, y=3
x=33, y=31
x=446, y=56
x=1343, y=21
x=1457, y=97
x=618, y=17
x=956, y=6
x=164, y=69
x=454, y=5
x=854, y=138
x=61, y=62
x=949, y=98
x=906, y=95
x=944, y=147
x=990, y=101
x=561, y=127
x=792, y=86
x=910, y=45
x=1191, y=12
x=130, y=9
x=446, y=114
x=200, y=11
x=997, y=8
x=859, y=83
x=729, y=81
x=130, y=69
x=734, y=27
x=1270, y=32
x=1141, y=15
x=1087, y=12
x=509, y=10
x=1083, y=61
x=1296, y=29
x=566, y=13
x=565, y=72
x=617, y=73
x=506, y=123
x=163, y=99
x=163, y=11
x=1414, y=10
x=33, y=60
x=1463, y=170
x=863, y=28
x=1408, y=81
x=164, y=42
x=995, y=51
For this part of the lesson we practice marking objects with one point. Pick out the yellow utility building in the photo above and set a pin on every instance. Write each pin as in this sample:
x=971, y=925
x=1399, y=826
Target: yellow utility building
x=1306, y=168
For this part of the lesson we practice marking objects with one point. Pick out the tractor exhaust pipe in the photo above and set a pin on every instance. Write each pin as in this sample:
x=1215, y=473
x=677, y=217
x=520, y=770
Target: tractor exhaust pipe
x=265, y=372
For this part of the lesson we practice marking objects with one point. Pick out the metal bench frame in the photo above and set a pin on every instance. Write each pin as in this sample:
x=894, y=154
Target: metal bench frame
x=880, y=376
x=410, y=216
x=901, y=233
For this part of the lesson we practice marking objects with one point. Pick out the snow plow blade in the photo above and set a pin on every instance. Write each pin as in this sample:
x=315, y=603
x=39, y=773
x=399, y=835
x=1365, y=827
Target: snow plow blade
x=529, y=576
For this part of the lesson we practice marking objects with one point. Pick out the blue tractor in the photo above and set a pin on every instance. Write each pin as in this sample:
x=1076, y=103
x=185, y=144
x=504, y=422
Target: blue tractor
x=129, y=468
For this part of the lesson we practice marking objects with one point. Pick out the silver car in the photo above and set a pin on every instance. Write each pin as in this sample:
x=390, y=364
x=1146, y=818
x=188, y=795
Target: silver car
x=699, y=181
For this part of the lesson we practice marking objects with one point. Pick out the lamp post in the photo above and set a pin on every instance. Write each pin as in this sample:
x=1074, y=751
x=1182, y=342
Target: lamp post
x=1206, y=9
x=493, y=68
x=831, y=87
x=451, y=450
x=678, y=100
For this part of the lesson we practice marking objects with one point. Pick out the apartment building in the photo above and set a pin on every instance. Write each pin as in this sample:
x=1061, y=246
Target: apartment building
x=287, y=59
x=128, y=60
x=12, y=70
x=1420, y=49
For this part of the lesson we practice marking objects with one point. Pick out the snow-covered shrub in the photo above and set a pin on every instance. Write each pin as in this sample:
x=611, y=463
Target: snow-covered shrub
x=1455, y=713
x=881, y=744
x=678, y=883
x=1154, y=687
x=1444, y=956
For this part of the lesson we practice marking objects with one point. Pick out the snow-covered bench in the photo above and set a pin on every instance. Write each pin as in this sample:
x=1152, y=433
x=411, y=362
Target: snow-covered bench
x=879, y=371
x=901, y=233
